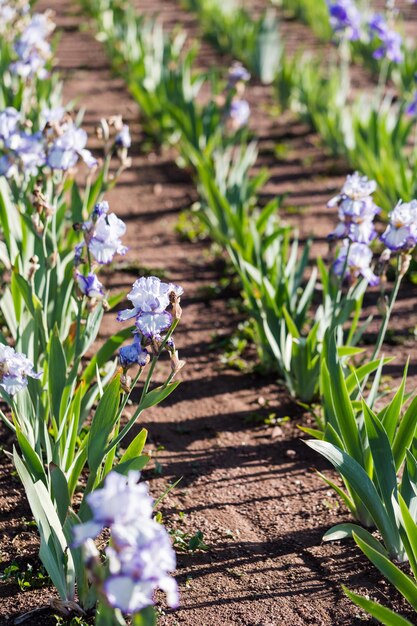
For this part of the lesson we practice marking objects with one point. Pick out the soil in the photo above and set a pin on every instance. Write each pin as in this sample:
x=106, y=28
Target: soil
x=248, y=481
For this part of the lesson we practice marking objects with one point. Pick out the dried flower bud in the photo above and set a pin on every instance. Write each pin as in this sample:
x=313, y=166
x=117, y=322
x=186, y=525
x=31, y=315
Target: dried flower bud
x=126, y=382
x=34, y=266
x=175, y=303
x=405, y=260
x=37, y=224
x=53, y=259
x=103, y=130
x=176, y=363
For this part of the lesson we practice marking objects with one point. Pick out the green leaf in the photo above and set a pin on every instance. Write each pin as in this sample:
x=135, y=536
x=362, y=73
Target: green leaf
x=379, y=444
x=32, y=460
x=342, y=531
x=103, y=423
x=313, y=432
x=361, y=485
x=381, y=613
x=157, y=395
x=136, y=446
x=58, y=564
x=392, y=413
x=346, y=423
x=60, y=492
x=405, y=434
x=22, y=287
x=137, y=464
x=147, y=617
x=410, y=528
x=57, y=372
x=405, y=585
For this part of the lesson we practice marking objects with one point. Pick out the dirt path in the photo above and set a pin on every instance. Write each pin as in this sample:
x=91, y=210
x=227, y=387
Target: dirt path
x=248, y=486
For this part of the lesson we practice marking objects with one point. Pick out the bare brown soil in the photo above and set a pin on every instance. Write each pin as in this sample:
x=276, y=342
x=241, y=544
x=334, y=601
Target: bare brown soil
x=250, y=487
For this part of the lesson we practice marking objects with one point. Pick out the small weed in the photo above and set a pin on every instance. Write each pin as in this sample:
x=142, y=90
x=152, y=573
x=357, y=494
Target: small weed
x=75, y=621
x=186, y=542
x=26, y=578
x=190, y=227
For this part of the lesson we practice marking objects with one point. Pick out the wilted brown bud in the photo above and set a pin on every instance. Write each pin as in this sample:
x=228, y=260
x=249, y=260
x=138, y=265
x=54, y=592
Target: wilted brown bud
x=382, y=264
x=126, y=382
x=117, y=122
x=405, y=260
x=53, y=259
x=39, y=227
x=33, y=267
x=103, y=130
x=176, y=363
x=175, y=302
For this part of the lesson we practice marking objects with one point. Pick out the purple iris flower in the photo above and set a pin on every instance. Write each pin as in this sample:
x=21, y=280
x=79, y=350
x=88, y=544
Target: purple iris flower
x=391, y=41
x=23, y=151
x=89, y=285
x=237, y=73
x=32, y=48
x=411, y=108
x=133, y=354
x=239, y=113
x=123, y=138
x=354, y=260
x=150, y=298
x=140, y=555
x=356, y=209
x=103, y=234
x=68, y=147
x=15, y=368
x=401, y=232
x=9, y=121
x=345, y=18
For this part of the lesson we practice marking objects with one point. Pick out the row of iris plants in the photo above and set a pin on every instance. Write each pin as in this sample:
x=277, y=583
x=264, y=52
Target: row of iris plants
x=373, y=130
x=373, y=449
x=64, y=389
x=213, y=144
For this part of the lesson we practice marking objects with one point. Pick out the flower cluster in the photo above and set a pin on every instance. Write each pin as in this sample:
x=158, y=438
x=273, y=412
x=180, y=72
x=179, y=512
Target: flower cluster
x=348, y=22
x=66, y=144
x=140, y=555
x=15, y=368
x=59, y=144
x=151, y=298
x=10, y=13
x=22, y=150
x=32, y=47
x=237, y=108
x=390, y=41
x=357, y=210
x=345, y=18
x=356, y=228
x=102, y=235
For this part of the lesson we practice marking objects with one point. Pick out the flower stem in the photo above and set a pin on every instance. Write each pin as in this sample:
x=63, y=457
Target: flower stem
x=388, y=311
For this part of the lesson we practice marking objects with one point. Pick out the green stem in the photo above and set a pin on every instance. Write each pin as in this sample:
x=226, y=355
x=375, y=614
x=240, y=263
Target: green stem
x=139, y=409
x=388, y=312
